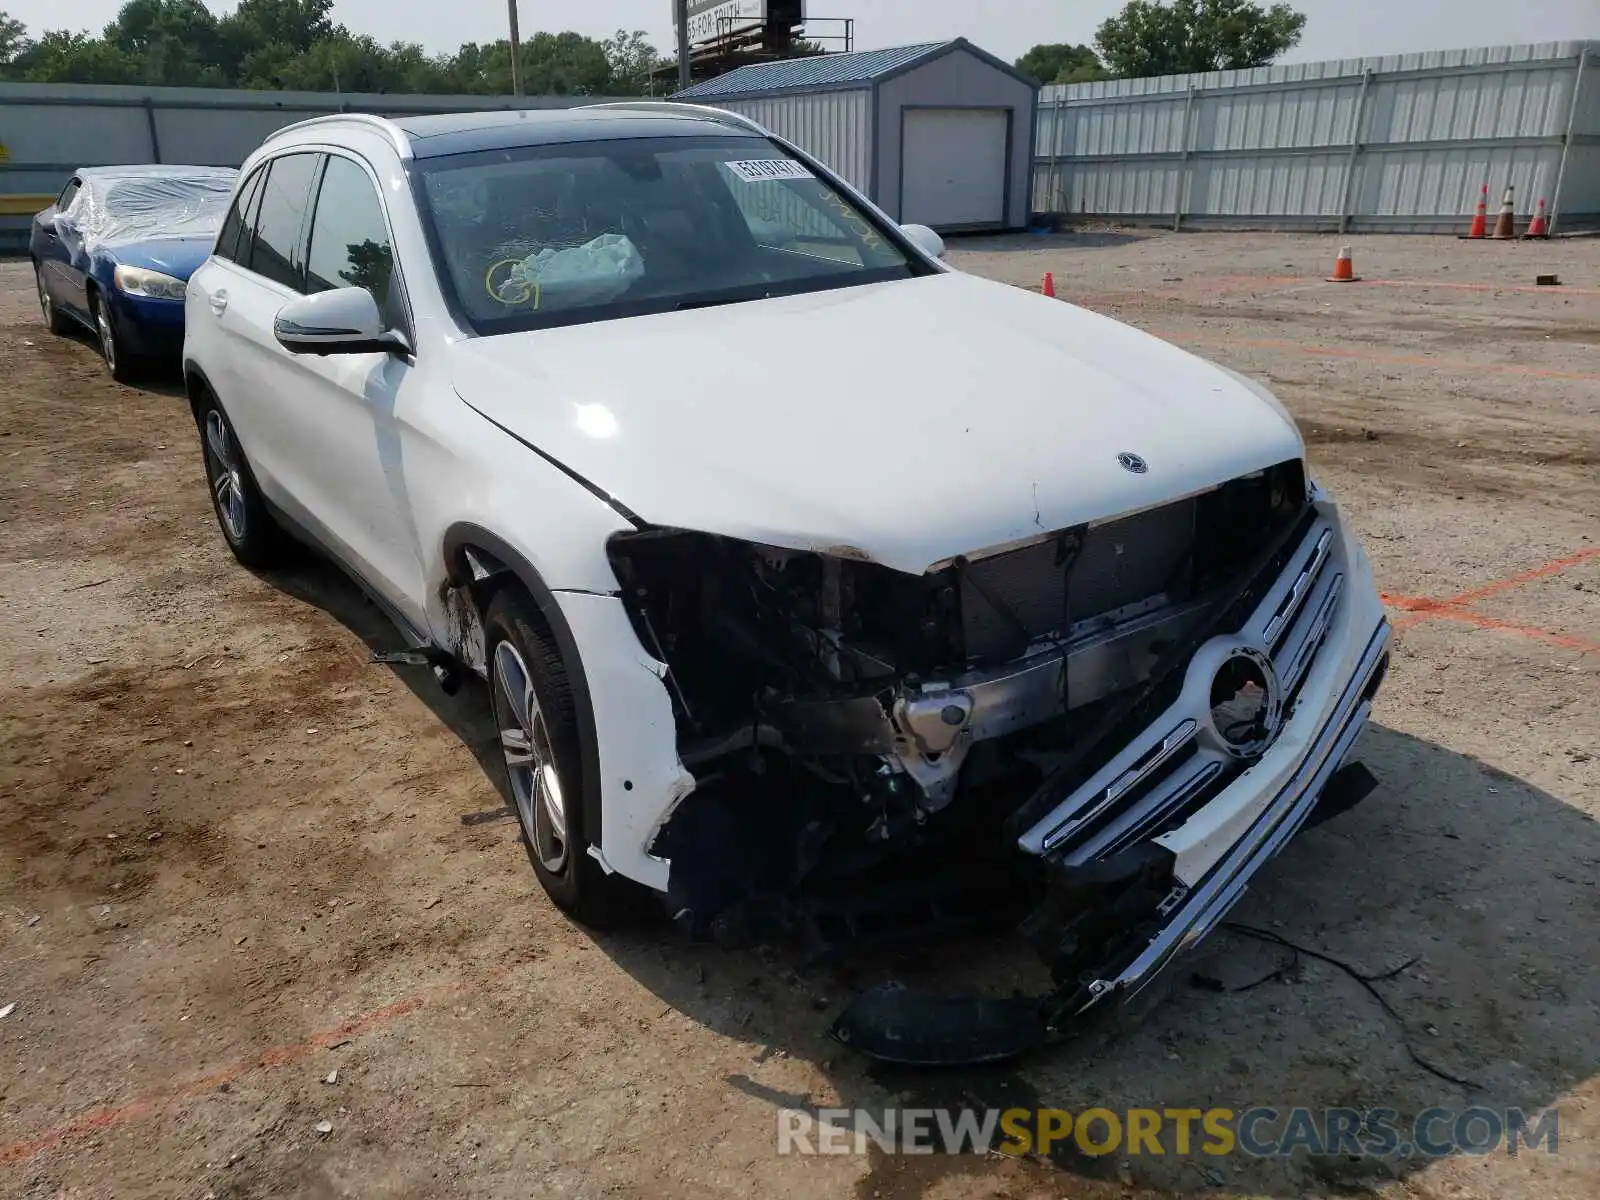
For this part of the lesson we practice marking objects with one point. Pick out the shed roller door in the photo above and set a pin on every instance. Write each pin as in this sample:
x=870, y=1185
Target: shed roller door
x=954, y=161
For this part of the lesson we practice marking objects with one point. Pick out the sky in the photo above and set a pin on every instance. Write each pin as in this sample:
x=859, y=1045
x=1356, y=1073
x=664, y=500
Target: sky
x=1335, y=29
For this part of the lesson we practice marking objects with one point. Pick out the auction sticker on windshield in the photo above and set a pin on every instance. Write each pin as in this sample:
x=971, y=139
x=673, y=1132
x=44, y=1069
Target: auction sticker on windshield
x=759, y=170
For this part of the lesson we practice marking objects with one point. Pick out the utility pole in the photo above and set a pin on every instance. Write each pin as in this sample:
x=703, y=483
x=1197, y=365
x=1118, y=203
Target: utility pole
x=683, y=43
x=516, y=49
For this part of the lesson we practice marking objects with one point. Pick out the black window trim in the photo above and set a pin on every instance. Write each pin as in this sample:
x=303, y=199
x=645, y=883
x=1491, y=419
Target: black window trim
x=76, y=182
x=298, y=248
x=397, y=282
x=243, y=200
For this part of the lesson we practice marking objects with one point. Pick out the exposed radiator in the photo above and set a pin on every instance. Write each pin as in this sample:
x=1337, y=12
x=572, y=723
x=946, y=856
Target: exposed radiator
x=1120, y=563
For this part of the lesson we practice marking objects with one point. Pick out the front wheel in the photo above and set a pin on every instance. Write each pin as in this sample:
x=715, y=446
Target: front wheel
x=123, y=366
x=538, y=734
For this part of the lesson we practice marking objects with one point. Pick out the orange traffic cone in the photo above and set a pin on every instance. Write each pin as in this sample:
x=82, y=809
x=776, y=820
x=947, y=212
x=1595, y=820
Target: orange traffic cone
x=1480, y=219
x=1505, y=226
x=1049, y=288
x=1344, y=269
x=1540, y=228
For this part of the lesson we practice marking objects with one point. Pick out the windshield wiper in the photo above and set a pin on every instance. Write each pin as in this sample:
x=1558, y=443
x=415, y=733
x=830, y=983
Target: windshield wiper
x=718, y=303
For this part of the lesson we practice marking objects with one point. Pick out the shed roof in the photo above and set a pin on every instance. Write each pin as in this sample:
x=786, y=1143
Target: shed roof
x=858, y=68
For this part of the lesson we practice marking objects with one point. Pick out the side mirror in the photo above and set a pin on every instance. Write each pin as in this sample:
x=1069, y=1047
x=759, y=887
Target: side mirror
x=343, y=321
x=925, y=239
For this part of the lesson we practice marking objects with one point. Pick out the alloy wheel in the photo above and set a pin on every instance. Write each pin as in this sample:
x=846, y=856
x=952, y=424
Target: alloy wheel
x=530, y=761
x=46, y=309
x=108, y=339
x=227, y=481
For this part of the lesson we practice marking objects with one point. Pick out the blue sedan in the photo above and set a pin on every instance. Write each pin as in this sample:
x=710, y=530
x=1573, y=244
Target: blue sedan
x=115, y=251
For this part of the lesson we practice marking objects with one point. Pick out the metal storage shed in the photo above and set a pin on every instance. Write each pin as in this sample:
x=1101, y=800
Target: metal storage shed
x=936, y=134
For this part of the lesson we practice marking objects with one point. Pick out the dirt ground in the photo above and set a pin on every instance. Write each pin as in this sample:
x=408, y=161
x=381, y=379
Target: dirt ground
x=236, y=858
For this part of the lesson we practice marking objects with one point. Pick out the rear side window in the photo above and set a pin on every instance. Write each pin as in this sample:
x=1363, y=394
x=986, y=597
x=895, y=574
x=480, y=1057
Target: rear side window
x=349, y=238
x=238, y=218
x=285, y=196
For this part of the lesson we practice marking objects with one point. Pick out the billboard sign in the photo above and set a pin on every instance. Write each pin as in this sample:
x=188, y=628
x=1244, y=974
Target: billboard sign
x=710, y=19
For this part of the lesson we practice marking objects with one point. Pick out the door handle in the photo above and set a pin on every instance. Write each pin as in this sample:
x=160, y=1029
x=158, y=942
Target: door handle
x=219, y=302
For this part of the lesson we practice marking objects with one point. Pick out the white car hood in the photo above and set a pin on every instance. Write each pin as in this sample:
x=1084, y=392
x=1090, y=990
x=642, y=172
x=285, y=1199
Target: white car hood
x=904, y=422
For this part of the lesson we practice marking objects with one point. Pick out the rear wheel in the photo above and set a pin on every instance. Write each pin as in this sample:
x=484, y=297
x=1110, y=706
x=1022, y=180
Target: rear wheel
x=254, y=537
x=538, y=732
x=124, y=367
x=53, y=320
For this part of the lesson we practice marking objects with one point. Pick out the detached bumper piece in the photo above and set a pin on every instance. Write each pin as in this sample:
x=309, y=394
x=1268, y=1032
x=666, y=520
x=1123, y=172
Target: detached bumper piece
x=1125, y=913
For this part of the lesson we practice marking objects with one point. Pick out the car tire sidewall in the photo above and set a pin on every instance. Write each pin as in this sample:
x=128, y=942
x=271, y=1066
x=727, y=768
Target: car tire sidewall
x=49, y=313
x=581, y=887
x=121, y=364
x=263, y=543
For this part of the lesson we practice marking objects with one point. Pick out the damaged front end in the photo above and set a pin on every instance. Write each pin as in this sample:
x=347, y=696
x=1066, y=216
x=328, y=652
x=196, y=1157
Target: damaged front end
x=881, y=756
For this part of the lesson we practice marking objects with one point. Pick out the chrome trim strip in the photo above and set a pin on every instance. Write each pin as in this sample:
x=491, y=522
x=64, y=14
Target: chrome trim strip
x=1136, y=823
x=1290, y=608
x=1181, y=736
x=1316, y=633
x=1212, y=898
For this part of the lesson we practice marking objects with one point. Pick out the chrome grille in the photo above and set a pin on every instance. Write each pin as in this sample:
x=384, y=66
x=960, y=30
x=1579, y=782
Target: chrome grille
x=1156, y=781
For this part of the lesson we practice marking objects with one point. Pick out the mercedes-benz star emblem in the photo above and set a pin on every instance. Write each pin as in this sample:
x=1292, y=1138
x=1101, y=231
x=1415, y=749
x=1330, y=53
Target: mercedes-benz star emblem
x=1129, y=461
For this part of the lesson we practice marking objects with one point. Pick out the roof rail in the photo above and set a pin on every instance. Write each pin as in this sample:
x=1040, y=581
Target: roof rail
x=726, y=116
x=370, y=120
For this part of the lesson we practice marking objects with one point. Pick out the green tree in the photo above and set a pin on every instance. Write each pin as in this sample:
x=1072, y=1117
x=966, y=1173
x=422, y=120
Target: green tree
x=14, y=43
x=61, y=56
x=1061, y=62
x=562, y=64
x=271, y=33
x=631, y=59
x=1184, y=36
x=174, y=42
x=348, y=63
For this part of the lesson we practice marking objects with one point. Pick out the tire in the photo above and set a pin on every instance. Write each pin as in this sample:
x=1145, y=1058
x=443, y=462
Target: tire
x=248, y=527
x=54, y=321
x=534, y=714
x=124, y=366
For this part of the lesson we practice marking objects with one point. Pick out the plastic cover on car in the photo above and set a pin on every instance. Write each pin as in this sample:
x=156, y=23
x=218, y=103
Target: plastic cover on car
x=117, y=205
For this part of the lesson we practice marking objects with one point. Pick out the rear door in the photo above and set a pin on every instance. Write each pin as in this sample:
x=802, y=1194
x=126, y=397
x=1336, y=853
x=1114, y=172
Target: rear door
x=242, y=298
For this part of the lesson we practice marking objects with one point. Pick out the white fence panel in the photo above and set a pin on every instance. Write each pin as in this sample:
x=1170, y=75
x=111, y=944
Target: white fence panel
x=1405, y=142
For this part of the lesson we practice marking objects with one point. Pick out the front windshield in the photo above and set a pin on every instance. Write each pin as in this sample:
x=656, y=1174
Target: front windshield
x=555, y=235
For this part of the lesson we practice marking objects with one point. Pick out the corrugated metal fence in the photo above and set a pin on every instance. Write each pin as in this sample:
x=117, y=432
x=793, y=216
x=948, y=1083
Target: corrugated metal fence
x=1402, y=144
x=47, y=131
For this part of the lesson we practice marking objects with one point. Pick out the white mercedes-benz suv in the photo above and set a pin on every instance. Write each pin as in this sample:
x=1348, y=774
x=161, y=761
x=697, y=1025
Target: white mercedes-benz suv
x=819, y=587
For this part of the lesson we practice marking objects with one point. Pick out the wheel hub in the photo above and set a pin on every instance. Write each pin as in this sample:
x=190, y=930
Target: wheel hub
x=227, y=481
x=530, y=760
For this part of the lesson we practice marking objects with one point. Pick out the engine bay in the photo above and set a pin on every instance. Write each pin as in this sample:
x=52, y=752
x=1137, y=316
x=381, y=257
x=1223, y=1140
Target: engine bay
x=863, y=740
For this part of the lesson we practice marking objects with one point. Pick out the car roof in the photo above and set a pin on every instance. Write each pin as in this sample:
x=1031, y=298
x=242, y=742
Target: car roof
x=116, y=174
x=439, y=134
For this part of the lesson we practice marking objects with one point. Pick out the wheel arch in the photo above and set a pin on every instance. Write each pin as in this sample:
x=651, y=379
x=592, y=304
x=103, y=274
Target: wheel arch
x=502, y=563
x=196, y=386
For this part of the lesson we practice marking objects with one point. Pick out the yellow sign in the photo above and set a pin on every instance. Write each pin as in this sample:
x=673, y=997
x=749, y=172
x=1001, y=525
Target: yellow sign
x=5, y=152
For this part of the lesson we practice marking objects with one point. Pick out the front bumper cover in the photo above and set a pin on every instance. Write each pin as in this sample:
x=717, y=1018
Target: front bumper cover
x=1209, y=901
